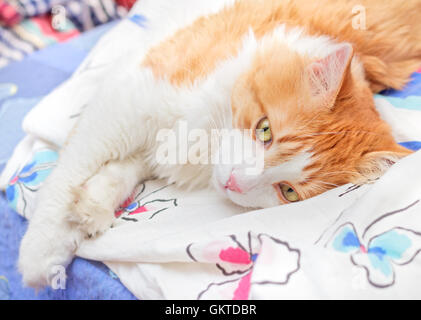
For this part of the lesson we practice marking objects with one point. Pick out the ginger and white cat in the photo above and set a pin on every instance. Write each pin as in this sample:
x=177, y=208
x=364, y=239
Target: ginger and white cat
x=294, y=73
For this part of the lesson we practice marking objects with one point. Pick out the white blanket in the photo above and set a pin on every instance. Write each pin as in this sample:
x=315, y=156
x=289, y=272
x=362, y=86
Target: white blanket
x=351, y=242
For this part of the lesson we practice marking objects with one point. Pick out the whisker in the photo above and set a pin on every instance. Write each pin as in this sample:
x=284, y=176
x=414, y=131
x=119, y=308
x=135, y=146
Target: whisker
x=338, y=132
x=327, y=183
x=322, y=182
x=337, y=172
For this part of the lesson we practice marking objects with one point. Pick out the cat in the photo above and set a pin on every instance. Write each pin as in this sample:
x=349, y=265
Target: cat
x=296, y=74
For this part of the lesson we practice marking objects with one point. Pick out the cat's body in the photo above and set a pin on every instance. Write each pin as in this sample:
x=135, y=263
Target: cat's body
x=280, y=65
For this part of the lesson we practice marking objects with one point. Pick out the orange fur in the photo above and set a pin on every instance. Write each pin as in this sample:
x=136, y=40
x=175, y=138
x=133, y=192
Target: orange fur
x=390, y=47
x=348, y=140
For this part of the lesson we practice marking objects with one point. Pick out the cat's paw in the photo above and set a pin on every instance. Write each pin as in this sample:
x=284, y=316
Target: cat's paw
x=92, y=209
x=43, y=256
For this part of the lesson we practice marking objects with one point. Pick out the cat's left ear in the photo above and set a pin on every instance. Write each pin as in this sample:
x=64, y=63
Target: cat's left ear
x=326, y=76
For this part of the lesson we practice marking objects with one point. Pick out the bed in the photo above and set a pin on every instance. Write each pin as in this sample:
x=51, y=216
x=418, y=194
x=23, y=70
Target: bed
x=350, y=242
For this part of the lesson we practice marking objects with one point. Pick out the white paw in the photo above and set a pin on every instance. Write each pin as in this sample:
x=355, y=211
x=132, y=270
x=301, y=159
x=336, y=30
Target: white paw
x=43, y=255
x=93, y=208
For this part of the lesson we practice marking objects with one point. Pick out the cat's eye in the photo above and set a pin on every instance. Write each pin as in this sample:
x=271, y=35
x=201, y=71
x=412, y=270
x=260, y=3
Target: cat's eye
x=288, y=193
x=263, y=132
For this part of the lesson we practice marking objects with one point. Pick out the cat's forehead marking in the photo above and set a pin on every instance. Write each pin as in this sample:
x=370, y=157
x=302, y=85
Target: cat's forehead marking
x=296, y=39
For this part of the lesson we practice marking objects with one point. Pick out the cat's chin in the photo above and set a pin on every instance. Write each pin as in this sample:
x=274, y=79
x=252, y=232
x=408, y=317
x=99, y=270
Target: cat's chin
x=249, y=200
x=231, y=196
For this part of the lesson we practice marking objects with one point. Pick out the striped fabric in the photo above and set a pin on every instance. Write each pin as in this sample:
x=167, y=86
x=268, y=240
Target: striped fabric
x=31, y=8
x=90, y=13
x=29, y=25
x=85, y=14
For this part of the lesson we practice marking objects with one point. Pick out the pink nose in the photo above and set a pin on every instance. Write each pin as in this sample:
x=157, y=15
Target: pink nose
x=232, y=184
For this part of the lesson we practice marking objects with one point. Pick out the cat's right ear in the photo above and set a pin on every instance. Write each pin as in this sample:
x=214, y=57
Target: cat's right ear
x=374, y=164
x=327, y=75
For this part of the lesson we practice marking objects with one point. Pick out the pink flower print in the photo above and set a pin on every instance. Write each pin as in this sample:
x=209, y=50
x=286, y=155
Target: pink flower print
x=138, y=203
x=257, y=260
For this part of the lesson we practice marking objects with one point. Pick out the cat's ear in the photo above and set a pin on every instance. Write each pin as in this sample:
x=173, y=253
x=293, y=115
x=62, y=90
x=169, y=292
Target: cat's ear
x=327, y=75
x=374, y=164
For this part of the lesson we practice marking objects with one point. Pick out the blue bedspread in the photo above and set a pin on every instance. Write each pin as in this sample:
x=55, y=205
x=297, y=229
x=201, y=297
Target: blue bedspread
x=33, y=78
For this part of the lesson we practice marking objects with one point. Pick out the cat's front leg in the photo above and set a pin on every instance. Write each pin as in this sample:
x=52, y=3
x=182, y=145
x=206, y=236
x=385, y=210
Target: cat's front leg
x=96, y=200
x=50, y=241
x=46, y=251
x=113, y=127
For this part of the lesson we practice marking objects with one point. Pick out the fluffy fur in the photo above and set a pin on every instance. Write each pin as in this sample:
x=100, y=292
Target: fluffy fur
x=298, y=63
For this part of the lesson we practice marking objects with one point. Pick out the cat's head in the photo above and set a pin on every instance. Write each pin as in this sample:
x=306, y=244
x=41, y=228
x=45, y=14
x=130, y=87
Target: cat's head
x=315, y=122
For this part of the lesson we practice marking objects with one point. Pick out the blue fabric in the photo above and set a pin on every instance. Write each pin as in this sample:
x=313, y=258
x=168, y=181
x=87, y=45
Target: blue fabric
x=86, y=279
x=412, y=145
x=409, y=98
x=412, y=89
x=22, y=84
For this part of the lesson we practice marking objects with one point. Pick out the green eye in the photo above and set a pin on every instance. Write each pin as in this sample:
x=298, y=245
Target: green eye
x=289, y=193
x=263, y=132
